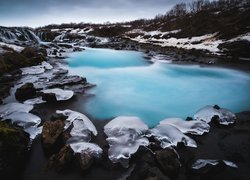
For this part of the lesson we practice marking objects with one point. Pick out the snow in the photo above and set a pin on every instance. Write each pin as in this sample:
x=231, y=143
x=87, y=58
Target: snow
x=86, y=148
x=46, y=65
x=206, y=114
x=205, y=42
x=192, y=127
x=125, y=122
x=125, y=136
x=73, y=115
x=19, y=114
x=33, y=70
x=200, y=163
x=81, y=133
x=12, y=46
x=241, y=37
x=169, y=136
x=33, y=101
x=23, y=119
x=14, y=107
x=61, y=95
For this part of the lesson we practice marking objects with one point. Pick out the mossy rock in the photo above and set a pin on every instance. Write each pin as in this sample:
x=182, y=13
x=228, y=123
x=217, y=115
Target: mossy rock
x=13, y=149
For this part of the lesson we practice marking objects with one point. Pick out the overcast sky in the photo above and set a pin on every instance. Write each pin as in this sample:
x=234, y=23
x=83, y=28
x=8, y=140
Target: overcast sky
x=36, y=13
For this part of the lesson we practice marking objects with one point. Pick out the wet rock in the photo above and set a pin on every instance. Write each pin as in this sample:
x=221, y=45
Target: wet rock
x=84, y=161
x=62, y=159
x=67, y=80
x=13, y=149
x=168, y=161
x=49, y=97
x=27, y=91
x=52, y=136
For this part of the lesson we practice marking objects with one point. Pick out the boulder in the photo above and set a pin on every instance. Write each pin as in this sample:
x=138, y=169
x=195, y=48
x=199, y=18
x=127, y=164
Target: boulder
x=27, y=91
x=13, y=149
x=52, y=136
x=168, y=162
x=62, y=159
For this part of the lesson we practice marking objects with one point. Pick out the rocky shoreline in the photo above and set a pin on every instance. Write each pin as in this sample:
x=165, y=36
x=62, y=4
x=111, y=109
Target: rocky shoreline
x=50, y=156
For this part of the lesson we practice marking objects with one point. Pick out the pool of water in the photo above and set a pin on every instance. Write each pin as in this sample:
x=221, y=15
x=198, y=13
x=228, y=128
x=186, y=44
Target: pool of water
x=127, y=84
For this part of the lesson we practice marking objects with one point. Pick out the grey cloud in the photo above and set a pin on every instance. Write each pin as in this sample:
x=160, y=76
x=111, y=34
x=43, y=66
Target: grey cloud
x=28, y=11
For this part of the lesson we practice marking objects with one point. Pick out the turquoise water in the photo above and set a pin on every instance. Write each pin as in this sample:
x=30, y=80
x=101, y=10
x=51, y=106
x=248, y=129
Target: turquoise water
x=128, y=85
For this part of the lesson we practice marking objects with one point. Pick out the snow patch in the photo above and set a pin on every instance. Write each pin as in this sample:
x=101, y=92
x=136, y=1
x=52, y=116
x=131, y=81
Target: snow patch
x=169, y=136
x=125, y=136
x=73, y=115
x=192, y=127
x=206, y=114
x=86, y=148
x=200, y=163
x=12, y=46
x=61, y=95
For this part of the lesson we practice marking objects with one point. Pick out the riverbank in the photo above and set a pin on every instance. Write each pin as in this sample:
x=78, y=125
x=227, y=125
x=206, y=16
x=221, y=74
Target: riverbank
x=37, y=162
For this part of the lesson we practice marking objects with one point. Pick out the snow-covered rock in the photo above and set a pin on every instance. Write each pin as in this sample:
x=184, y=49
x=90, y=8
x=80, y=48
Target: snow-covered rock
x=200, y=163
x=125, y=136
x=19, y=114
x=169, y=136
x=85, y=147
x=34, y=70
x=14, y=107
x=192, y=127
x=33, y=101
x=225, y=117
x=82, y=120
x=61, y=95
x=12, y=46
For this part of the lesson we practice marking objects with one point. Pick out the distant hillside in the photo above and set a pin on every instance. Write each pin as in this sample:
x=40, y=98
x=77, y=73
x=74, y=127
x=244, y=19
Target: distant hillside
x=219, y=27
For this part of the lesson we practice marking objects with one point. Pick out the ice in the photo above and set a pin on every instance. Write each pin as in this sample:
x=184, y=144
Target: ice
x=200, y=163
x=206, y=114
x=169, y=136
x=192, y=127
x=33, y=101
x=14, y=107
x=12, y=46
x=61, y=95
x=125, y=136
x=39, y=69
x=86, y=148
x=125, y=122
x=19, y=114
x=33, y=131
x=46, y=65
x=80, y=131
x=230, y=164
x=23, y=119
x=33, y=70
x=72, y=116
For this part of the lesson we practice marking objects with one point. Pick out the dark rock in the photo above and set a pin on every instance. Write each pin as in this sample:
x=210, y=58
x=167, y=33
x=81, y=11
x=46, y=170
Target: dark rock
x=52, y=136
x=27, y=91
x=84, y=161
x=189, y=119
x=13, y=149
x=61, y=160
x=49, y=97
x=168, y=162
x=236, y=48
x=155, y=173
x=216, y=107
